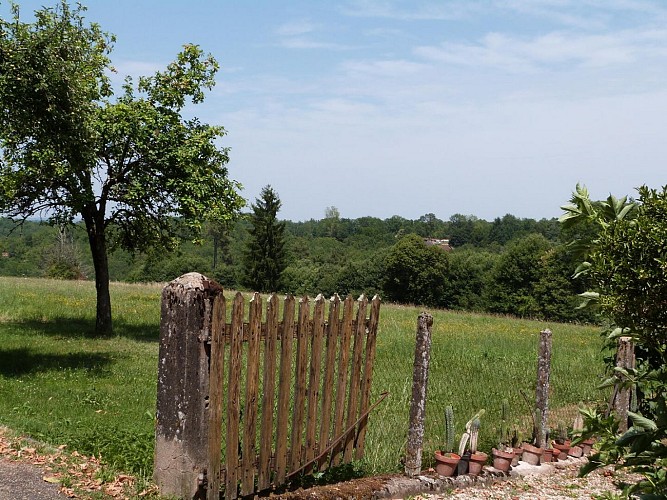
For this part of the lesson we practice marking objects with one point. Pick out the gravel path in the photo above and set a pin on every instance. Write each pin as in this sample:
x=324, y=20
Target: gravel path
x=27, y=474
x=550, y=482
x=22, y=481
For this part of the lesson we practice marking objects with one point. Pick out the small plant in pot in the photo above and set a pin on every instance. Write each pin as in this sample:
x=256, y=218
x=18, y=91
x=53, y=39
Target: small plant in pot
x=465, y=452
x=504, y=453
x=477, y=458
x=561, y=443
x=446, y=461
x=516, y=440
x=533, y=454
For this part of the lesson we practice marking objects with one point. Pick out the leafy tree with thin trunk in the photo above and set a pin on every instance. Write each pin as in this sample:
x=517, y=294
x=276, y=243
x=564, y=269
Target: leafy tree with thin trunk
x=265, y=254
x=130, y=166
x=415, y=273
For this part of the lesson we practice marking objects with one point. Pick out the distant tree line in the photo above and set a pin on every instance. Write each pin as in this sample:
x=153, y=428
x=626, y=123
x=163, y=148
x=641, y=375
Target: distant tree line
x=506, y=266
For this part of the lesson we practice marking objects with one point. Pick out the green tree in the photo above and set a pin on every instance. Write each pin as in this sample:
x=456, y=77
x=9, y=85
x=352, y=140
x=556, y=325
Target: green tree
x=265, y=258
x=415, y=273
x=467, y=276
x=62, y=260
x=515, y=274
x=625, y=258
x=332, y=220
x=132, y=167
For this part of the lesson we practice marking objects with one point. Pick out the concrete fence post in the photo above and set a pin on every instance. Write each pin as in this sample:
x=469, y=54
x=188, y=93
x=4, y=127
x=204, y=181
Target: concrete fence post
x=413, y=456
x=183, y=386
x=542, y=389
x=625, y=358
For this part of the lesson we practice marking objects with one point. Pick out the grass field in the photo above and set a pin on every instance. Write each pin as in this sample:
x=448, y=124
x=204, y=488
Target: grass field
x=97, y=396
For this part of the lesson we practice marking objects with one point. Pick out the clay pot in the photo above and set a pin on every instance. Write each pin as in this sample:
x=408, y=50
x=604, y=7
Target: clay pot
x=446, y=463
x=502, y=460
x=576, y=451
x=562, y=448
x=517, y=456
x=477, y=461
x=587, y=446
x=547, y=455
x=531, y=454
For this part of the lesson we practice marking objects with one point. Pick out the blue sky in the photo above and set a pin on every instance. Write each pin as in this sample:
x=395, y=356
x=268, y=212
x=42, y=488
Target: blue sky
x=382, y=107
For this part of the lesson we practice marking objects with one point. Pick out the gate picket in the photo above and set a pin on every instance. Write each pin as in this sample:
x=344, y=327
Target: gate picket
x=268, y=386
x=251, y=399
x=282, y=424
x=234, y=397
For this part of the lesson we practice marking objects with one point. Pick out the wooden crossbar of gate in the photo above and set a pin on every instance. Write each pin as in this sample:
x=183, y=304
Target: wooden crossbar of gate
x=287, y=391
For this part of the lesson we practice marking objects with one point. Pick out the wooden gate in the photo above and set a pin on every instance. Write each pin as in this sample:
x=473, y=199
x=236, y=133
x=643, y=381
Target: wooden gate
x=289, y=391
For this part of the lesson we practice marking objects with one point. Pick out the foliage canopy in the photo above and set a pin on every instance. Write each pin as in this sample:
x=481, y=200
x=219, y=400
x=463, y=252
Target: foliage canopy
x=132, y=167
x=626, y=260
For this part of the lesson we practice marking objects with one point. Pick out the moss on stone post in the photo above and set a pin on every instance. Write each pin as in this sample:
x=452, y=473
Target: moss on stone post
x=183, y=386
x=413, y=457
x=542, y=389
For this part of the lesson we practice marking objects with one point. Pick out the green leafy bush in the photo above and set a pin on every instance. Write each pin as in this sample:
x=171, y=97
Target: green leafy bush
x=626, y=260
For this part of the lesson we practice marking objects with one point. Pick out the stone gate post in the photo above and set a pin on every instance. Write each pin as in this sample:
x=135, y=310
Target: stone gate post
x=183, y=385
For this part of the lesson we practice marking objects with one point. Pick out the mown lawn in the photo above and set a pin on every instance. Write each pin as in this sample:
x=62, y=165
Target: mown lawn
x=62, y=386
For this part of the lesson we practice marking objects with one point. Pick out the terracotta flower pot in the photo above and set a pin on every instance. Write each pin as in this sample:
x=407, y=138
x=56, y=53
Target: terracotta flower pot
x=446, y=463
x=547, y=455
x=517, y=456
x=576, y=451
x=477, y=461
x=563, y=450
x=531, y=454
x=587, y=446
x=502, y=460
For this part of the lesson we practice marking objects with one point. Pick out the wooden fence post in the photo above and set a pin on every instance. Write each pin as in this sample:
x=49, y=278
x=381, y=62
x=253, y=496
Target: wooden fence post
x=413, y=458
x=542, y=389
x=181, y=432
x=625, y=358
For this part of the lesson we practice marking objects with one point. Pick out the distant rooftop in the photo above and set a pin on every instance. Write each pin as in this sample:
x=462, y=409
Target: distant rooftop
x=444, y=244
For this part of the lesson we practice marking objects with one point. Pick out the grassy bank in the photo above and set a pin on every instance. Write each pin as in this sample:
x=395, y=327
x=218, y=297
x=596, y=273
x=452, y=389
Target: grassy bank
x=98, y=395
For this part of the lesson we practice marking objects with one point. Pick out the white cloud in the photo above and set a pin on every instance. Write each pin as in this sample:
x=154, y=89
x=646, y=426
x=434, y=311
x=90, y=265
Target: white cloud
x=297, y=35
x=296, y=28
x=304, y=43
x=515, y=54
x=451, y=10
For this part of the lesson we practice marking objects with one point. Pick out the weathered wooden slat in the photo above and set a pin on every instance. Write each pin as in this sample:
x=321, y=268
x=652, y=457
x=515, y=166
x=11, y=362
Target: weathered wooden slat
x=300, y=383
x=341, y=383
x=233, y=397
x=314, y=378
x=327, y=384
x=284, y=384
x=268, y=388
x=251, y=397
x=215, y=398
x=332, y=334
x=355, y=377
x=367, y=376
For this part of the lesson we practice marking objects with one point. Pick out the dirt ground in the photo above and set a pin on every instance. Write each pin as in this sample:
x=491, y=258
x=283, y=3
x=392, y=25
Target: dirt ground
x=30, y=472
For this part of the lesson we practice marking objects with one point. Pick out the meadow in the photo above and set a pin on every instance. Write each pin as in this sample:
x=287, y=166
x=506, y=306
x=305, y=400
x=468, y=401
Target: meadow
x=62, y=386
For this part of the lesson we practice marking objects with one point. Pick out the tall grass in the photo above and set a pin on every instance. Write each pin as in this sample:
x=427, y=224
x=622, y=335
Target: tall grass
x=61, y=385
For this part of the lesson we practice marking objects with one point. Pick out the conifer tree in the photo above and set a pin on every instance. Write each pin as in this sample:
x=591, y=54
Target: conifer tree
x=265, y=254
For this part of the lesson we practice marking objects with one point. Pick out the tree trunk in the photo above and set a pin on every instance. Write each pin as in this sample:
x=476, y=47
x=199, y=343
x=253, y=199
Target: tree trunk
x=215, y=251
x=98, y=249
